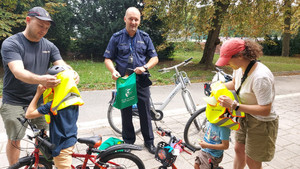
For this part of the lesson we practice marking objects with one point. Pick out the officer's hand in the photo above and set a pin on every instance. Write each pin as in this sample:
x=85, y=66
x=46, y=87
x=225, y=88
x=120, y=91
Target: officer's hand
x=49, y=81
x=139, y=70
x=115, y=75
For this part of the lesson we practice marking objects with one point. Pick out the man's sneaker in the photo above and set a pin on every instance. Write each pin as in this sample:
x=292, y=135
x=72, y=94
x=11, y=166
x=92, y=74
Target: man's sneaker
x=151, y=148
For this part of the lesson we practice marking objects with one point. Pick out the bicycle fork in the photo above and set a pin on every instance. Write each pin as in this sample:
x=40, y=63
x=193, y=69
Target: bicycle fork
x=188, y=101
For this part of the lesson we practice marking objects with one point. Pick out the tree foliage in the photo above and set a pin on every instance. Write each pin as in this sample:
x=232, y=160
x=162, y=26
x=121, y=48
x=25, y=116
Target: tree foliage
x=242, y=18
x=13, y=14
x=96, y=21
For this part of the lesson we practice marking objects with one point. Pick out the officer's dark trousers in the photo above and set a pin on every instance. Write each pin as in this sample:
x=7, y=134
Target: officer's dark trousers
x=143, y=104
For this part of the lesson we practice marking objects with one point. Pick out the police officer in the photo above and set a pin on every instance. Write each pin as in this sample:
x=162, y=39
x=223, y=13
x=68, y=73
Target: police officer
x=129, y=49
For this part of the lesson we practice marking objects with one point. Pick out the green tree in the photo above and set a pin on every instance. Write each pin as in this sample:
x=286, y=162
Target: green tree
x=155, y=28
x=96, y=21
x=62, y=33
x=213, y=34
x=13, y=14
x=226, y=17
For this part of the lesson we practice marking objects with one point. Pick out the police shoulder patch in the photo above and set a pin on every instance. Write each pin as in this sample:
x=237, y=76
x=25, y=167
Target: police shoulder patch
x=117, y=33
x=144, y=33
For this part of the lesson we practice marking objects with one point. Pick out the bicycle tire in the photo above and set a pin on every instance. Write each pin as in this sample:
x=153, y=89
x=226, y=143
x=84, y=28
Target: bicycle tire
x=27, y=161
x=195, y=129
x=115, y=122
x=125, y=159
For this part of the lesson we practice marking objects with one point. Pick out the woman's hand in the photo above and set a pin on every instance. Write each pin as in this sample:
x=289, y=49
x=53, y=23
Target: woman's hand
x=225, y=101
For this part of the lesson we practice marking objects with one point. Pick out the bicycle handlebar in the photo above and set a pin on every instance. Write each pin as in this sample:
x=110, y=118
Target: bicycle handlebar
x=187, y=61
x=46, y=143
x=169, y=134
x=43, y=141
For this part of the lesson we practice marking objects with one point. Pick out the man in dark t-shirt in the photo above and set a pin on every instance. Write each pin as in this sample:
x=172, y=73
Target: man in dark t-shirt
x=61, y=103
x=26, y=57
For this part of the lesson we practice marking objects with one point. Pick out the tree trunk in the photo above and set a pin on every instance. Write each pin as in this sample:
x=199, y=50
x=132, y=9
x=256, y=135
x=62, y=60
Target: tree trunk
x=286, y=32
x=213, y=35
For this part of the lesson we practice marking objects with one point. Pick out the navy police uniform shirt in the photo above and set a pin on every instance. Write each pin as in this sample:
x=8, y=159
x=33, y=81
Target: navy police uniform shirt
x=129, y=52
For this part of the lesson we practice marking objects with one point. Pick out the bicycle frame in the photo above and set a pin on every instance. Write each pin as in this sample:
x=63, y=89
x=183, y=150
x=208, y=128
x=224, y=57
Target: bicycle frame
x=87, y=157
x=92, y=154
x=181, y=84
x=176, y=142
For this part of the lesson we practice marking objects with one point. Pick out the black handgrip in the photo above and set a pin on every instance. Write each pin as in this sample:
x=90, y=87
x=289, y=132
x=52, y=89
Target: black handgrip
x=132, y=70
x=46, y=143
x=188, y=60
x=22, y=120
x=218, y=69
x=167, y=133
x=160, y=129
x=190, y=147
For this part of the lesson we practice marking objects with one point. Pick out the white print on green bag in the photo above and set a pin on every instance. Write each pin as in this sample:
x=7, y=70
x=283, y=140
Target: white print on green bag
x=129, y=96
x=128, y=92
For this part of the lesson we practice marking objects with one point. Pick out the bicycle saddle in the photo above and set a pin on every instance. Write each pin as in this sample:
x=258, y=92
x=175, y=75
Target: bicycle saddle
x=93, y=141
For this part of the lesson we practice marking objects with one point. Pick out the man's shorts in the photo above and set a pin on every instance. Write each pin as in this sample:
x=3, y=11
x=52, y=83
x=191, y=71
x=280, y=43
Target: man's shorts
x=203, y=160
x=259, y=137
x=14, y=128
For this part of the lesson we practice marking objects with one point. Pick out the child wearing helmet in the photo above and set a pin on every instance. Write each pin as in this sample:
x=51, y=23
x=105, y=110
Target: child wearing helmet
x=216, y=138
x=61, y=104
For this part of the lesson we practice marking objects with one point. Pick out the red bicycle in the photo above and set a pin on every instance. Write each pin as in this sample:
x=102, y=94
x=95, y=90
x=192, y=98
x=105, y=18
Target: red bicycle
x=116, y=157
x=167, y=153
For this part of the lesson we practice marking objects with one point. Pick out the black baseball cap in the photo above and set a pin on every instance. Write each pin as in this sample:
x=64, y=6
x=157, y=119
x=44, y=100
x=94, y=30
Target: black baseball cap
x=41, y=14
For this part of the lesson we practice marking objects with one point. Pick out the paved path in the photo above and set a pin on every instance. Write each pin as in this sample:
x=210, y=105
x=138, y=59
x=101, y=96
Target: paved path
x=287, y=154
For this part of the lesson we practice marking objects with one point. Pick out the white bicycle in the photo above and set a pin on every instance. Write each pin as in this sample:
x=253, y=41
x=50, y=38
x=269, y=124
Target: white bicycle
x=181, y=81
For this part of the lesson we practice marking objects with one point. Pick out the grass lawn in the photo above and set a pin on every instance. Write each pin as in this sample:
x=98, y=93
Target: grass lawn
x=95, y=76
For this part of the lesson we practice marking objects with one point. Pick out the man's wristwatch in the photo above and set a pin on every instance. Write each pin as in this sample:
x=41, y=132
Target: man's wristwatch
x=145, y=67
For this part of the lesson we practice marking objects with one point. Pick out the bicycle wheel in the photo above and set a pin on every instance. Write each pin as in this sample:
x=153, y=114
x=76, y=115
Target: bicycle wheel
x=28, y=163
x=115, y=121
x=121, y=160
x=195, y=129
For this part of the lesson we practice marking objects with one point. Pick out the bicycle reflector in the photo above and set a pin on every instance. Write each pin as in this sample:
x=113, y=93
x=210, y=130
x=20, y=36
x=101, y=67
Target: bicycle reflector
x=219, y=115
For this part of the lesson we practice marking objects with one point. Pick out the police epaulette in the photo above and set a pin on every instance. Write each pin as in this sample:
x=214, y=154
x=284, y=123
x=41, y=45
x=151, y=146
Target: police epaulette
x=144, y=33
x=117, y=33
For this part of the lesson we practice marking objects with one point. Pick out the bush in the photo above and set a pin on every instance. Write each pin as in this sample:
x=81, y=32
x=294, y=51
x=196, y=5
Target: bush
x=272, y=46
x=168, y=51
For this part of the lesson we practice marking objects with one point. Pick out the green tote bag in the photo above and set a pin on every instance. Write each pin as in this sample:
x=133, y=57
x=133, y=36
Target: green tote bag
x=126, y=92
